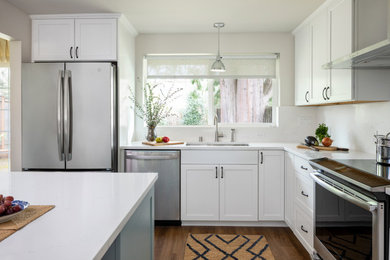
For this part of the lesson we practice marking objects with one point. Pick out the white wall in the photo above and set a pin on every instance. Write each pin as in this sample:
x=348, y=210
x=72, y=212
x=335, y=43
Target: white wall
x=126, y=79
x=237, y=43
x=353, y=126
x=16, y=24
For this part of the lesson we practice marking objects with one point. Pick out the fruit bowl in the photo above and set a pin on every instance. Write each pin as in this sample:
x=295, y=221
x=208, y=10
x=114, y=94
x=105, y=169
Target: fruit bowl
x=23, y=204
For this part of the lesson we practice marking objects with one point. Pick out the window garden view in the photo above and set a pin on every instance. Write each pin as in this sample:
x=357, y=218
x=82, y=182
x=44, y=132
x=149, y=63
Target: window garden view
x=244, y=94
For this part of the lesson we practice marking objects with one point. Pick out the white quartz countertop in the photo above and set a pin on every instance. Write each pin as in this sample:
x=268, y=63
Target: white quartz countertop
x=91, y=210
x=289, y=147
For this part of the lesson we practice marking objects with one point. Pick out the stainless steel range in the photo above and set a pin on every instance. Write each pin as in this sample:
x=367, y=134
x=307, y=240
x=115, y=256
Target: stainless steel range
x=351, y=209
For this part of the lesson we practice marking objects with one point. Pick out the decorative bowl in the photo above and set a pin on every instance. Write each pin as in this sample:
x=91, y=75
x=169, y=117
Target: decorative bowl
x=23, y=204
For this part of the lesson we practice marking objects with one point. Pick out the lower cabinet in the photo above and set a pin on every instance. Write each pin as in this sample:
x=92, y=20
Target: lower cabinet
x=271, y=185
x=238, y=192
x=136, y=240
x=199, y=192
x=219, y=192
x=289, y=181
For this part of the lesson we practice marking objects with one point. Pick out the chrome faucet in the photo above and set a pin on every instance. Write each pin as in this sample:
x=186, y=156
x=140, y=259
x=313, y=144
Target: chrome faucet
x=217, y=134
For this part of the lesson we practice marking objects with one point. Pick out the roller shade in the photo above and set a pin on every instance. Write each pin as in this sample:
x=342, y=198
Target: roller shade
x=198, y=66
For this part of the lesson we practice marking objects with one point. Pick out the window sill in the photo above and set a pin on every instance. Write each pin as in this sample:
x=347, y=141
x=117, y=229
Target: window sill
x=224, y=126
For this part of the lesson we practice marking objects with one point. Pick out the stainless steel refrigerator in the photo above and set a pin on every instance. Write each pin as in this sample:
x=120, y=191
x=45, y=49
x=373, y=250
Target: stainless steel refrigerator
x=69, y=116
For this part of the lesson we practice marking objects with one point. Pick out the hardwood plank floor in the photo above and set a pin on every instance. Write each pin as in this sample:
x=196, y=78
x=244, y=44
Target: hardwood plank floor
x=170, y=241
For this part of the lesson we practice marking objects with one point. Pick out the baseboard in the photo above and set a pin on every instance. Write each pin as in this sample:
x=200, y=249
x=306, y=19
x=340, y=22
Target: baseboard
x=236, y=223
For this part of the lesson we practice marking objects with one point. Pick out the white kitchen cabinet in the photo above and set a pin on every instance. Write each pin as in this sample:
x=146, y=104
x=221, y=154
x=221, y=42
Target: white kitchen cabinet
x=200, y=192
x=320, y=56
x=271, y=185
x=53, y=40
x=74, y=37
x=95, y=39
x=303, y=65
x=336, y=29
x=341, y=36
x=219, y=192
x=238, y=192
x=289, y=181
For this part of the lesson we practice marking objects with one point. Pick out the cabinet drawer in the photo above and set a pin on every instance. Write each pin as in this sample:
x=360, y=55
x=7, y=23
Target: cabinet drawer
x=304, y=191
x=302, y=166
x=219, y=157
x=304, y=228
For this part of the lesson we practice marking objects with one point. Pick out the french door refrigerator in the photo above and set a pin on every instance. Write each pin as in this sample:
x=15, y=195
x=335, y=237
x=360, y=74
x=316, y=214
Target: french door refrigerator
x=69, y=116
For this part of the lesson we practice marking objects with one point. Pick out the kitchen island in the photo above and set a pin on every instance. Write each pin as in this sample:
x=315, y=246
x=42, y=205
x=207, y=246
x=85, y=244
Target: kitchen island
x=96, y=216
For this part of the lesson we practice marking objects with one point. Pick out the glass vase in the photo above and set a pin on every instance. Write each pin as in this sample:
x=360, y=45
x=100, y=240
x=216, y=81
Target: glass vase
x=151, y=136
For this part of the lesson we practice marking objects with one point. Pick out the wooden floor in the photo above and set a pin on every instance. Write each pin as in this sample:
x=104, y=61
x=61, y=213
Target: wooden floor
x=170, y=241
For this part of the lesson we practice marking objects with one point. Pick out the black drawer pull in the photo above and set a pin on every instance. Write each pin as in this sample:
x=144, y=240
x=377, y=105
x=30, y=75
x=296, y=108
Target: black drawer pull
x=303, y=229
x=303, y=168
x=216, y=172
x=304, y=194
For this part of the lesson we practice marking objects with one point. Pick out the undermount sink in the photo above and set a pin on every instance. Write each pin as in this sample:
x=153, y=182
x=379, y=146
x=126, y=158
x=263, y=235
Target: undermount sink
x=217, y=144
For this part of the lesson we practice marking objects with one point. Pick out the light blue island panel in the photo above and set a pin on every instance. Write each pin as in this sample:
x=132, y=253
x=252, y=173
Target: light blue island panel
x=135, y=242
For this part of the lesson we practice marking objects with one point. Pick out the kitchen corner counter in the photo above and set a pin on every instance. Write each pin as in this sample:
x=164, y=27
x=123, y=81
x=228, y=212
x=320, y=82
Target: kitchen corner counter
x=288, y=147
x=92, y=208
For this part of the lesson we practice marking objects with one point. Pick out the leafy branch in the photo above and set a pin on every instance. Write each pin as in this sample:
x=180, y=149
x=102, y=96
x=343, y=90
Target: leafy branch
x=155, y=107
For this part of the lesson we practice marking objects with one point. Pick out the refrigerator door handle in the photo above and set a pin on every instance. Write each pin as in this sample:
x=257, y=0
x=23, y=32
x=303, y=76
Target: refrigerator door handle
x=60, y=113
x=68, y=115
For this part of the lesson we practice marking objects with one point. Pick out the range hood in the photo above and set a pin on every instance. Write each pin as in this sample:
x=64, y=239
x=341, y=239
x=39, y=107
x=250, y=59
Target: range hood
x=371, y=35
x=376, y=56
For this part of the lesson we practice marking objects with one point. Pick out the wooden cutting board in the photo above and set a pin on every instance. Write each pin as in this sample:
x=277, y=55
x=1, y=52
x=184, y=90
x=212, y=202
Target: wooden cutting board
x=161, y=144
x=323, y=148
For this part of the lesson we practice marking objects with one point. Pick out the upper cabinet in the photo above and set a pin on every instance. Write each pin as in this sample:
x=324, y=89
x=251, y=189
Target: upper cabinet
x=341, y=34
x=74, y=39
x=331, y=32
x=303, y=66
x=53, y=39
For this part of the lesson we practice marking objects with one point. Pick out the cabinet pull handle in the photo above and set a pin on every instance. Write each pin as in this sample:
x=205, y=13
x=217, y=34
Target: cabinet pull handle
x=303, y=168
x=71, y=52
x=221, y=172
x=303, y=229
x=323, y=94
x=216, y=172
x=261, y=158
x=77, y=52
x=306, y=98
x=326, y=93
x=304, y=194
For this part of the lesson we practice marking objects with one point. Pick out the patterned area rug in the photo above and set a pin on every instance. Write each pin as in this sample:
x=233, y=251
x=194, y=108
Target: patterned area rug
x=229, y=247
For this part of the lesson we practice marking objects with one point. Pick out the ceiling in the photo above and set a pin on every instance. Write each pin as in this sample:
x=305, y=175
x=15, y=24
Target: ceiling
x=184, y=16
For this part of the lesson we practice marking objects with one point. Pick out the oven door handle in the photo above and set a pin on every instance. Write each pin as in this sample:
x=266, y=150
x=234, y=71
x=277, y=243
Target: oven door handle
x=364, y=205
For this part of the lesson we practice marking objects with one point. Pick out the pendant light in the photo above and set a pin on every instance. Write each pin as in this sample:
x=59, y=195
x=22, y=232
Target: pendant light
x=218, y=65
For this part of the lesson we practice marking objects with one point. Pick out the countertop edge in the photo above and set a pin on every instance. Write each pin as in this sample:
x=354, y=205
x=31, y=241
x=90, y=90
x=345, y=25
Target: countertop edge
x=120, y=227
x=285, y=146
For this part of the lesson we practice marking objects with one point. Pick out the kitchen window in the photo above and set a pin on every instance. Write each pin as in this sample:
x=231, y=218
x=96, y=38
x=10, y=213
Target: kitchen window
x=246, y=94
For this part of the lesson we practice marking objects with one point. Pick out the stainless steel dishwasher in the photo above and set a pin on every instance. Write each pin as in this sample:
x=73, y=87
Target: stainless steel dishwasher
x=167, y=188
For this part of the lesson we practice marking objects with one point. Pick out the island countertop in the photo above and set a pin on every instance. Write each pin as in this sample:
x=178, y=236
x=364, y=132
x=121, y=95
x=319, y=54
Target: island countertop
x=91, y=209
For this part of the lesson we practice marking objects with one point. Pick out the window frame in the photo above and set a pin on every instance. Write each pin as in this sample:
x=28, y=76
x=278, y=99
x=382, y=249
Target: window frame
x=275, y=89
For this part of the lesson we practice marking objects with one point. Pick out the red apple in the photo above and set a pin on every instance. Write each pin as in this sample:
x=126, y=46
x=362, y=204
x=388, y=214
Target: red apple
x=165, y=139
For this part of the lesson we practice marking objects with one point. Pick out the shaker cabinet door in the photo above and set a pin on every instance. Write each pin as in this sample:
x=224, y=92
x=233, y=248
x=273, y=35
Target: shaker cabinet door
x=199, y=192
x=53, y=40
x=271, y=185
x=238, y=192
x=95, y=39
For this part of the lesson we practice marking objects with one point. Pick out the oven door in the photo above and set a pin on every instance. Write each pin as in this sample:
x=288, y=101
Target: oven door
x=348, y=224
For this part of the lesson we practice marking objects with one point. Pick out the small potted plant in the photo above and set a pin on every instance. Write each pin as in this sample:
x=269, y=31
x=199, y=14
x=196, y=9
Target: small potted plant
x=323, y=136
x=155, y=107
